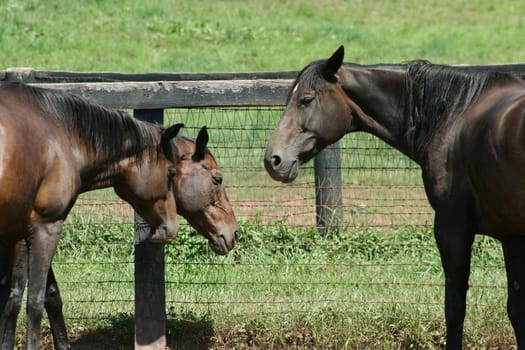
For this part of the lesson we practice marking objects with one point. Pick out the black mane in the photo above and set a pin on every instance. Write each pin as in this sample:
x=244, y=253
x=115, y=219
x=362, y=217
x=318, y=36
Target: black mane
x=110, y=134
x=437, y=92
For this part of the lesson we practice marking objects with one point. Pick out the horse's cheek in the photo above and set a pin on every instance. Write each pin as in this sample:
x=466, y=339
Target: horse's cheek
x=190, y=195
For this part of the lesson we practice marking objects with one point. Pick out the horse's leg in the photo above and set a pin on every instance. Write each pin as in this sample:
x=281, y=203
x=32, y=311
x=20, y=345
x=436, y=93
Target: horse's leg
x=53, y=303
x=15, y=285
x=42, y=246
x=514, y=252
x=53, y=306
x=5, y=285
x=454, y=241
x=5, y=273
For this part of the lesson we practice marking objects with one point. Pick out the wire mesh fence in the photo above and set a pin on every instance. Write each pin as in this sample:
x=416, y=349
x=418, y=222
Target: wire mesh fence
x=350, y=279
x=381, y=187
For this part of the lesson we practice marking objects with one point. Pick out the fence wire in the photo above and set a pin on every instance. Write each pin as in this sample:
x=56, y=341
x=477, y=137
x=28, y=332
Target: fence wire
x=381, y=188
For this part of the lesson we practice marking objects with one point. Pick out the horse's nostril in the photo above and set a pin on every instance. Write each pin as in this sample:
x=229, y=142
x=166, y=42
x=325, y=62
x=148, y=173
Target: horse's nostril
x=236, y=235
x=276, y=160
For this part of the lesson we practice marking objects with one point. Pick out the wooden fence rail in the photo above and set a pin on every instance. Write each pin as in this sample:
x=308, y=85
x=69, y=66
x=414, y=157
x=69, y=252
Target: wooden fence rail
x=148, y=95
x=163, y=90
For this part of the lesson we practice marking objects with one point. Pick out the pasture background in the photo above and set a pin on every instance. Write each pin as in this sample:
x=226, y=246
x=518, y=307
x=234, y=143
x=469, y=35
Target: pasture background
x=283, y=286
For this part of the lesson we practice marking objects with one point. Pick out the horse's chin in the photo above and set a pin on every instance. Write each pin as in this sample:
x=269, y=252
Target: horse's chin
x=291, y=177
x=306, y=156
x=164, y=234
x=290, y=174
x=286, y=175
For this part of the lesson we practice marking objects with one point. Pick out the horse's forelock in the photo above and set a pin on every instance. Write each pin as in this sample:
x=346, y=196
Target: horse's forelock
x=310, y=76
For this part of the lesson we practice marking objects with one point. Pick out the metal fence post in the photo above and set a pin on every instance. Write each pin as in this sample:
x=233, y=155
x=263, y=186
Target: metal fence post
x=150, y=294
x=328, y=189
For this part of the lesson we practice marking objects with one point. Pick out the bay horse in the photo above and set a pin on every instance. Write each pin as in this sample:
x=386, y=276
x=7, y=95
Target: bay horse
x=465, y=128
x=200, y=198
x=54, y=146
x=200, y=194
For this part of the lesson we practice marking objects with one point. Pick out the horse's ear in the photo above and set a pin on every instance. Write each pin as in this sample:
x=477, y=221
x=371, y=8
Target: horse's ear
x=165, y=141
x=200, y=145
x=332, y=65
x=171, y=132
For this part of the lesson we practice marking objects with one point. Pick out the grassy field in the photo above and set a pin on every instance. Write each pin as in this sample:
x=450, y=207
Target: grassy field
x=183, y=35
x=283, y=287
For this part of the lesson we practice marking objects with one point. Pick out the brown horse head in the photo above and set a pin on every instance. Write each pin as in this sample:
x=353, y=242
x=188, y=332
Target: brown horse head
x=315, y=116
x=200, y=195
x=148, y=187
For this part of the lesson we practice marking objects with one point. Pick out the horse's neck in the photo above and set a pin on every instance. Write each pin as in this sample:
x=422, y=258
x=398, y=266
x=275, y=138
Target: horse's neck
x=378, y=95
x=103, y=173
x=96, y=180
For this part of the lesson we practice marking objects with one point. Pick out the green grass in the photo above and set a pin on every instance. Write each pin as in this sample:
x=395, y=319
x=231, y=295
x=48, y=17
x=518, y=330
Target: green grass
x=182, y=35
x=283, y=288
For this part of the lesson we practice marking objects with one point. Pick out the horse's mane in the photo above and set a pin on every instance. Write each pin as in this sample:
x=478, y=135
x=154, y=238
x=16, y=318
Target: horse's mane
x=106, y=132
x=438, y=92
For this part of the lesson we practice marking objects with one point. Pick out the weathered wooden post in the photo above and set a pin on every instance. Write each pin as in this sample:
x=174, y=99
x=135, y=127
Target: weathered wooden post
x=21, y=74
x=150, y=295
x=328, y=189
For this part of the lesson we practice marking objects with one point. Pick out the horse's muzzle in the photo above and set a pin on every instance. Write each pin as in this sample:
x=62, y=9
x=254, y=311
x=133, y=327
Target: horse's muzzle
x=222, y=244
x=165, y=233
x=279, y=169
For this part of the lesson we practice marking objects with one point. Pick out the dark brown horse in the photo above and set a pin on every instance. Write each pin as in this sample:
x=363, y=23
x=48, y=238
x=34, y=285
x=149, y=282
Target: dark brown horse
x=201, y=199
x=464, y=127
x=54, y=146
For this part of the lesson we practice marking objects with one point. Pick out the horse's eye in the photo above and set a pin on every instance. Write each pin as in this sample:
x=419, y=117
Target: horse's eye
x=216, y=177
x=217, y=180
x=306, y=100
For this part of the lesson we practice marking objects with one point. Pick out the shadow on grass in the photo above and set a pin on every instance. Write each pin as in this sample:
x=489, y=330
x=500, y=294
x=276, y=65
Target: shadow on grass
x=186, y=332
